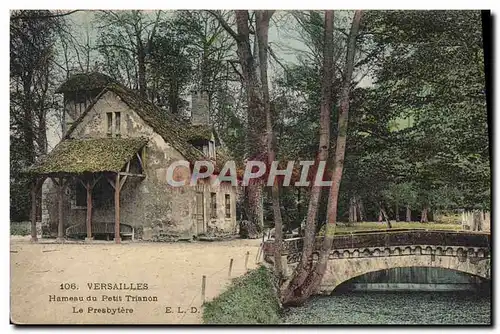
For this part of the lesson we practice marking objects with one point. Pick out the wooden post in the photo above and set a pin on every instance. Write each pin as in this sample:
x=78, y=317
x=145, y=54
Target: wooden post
x=60, y=227
x=88, y=186
x=258, y=253
x=230, y=267
x=117, y=209
x=33, y=212
x=203, y=286
x=246, y=260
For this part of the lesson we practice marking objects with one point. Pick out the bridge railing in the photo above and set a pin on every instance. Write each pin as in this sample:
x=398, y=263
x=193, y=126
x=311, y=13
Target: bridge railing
x=387, y=239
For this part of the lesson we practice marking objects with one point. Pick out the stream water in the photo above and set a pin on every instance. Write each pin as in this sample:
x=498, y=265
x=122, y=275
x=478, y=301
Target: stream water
x=358, y=308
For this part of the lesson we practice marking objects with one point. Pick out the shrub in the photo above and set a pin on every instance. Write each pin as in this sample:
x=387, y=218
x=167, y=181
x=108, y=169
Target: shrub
x=250, y=299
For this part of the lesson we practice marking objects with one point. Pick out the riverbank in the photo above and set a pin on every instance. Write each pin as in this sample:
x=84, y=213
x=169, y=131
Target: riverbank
x=250, y=299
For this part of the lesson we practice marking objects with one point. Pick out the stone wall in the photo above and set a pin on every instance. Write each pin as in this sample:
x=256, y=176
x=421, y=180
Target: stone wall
x=346, y=264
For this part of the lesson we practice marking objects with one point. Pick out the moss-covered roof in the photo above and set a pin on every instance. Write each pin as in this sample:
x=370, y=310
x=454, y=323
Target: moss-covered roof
x=85, y=81
x=78, y=156
x=173, y=130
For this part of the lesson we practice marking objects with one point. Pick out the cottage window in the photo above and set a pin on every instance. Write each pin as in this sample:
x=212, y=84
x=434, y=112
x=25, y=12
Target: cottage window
x=213, y=205
x=228, y=205
x=117, y=123
x=113, y=123
x=109, y=116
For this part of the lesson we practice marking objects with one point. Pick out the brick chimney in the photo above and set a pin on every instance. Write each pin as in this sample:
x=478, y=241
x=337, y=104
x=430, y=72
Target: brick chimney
x=199, y=108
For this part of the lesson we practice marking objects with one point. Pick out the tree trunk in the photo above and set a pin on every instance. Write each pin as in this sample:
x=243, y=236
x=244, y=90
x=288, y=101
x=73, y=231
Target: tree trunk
x=360, y=208
x=354, y=211
x=408, y=214
x=316, y=273
x=293, y=292
x=28, y=126
x=478, y=220
x=423, y=218
x=256, y=135
x=386, y=217
x=351, y=210
x=141, y=64
x=262, y=29
x=88, y=186
x=397, y=212
x=60, y=212
x=380, y=217
x=33, y=214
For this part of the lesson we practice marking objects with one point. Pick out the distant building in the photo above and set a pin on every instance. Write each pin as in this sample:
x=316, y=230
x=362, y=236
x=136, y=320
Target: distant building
x=113, y=136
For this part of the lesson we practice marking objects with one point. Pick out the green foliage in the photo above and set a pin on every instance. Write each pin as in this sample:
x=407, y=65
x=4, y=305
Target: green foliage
x=171, y=65
x=250, y=299
x=417, y=136
x=20, y=228
x=448, y=222
x=432, y=71
x=448, y=218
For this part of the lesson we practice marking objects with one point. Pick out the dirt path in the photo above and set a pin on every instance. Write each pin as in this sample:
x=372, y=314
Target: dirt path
x=172, y=271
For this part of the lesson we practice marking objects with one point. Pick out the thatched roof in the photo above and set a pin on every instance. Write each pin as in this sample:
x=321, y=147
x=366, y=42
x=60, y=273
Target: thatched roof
x=173, y=130
x=77, y=156
x=86, y=82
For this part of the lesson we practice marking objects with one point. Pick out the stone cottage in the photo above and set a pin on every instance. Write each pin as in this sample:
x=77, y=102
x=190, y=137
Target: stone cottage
x=107, y=176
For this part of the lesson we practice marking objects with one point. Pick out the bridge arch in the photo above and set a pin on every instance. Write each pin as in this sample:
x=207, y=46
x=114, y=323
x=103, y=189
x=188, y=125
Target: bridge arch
x=414, y=278
x=344, y=265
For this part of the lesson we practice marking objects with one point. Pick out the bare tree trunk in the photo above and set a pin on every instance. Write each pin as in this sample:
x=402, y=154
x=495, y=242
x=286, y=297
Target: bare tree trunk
x=316, y=273
x=28, y=126
x=141, y=63
x=386, y=217
x=256, y=134
x=423, y=218
x=351, y=210
x=477, y=217
x=293, y=290
x=262, y=29
x=256, y=138
x=354, y=211
x=397, y=212
x=360, y=209
x=408, y=214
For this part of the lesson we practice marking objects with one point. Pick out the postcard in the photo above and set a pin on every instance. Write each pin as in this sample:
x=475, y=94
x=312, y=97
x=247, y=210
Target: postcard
x=277, y=167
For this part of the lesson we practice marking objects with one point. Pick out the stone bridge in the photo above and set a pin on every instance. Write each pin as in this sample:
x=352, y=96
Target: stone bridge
x=357, y=253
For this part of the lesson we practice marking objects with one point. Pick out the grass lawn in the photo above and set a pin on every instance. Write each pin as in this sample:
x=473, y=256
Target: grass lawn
x=250, y=299
x=365, y=226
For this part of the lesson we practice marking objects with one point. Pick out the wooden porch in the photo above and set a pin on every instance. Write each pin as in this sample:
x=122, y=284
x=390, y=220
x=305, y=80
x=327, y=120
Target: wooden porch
x=88, y=165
